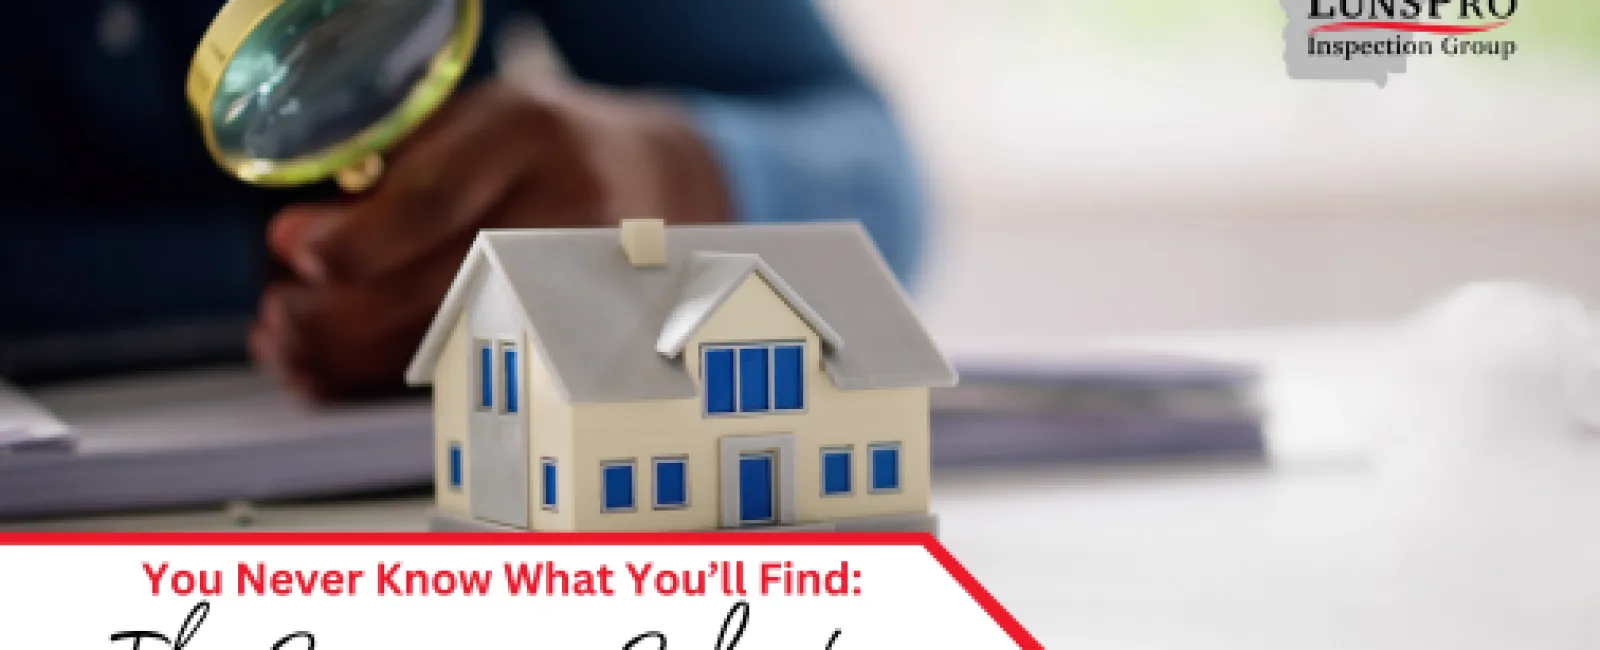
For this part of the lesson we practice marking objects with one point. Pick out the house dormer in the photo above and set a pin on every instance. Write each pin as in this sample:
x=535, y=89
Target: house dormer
x=758, y=358
x=712, y=278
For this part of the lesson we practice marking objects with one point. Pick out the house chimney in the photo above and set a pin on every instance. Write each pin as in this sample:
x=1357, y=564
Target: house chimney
x=645, y=241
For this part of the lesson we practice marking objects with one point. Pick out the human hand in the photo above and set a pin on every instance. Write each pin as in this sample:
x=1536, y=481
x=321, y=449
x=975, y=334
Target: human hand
x=372, y=270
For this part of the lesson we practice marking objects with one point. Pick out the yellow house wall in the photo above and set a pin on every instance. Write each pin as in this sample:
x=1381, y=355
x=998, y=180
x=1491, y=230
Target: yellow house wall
x=452, y=387
x=549, y=436
x=641, y=431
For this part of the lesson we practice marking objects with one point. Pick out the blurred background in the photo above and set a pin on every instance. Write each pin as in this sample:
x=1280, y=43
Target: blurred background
x=1406, y=265
x=1164, y=146
x=1153, y=171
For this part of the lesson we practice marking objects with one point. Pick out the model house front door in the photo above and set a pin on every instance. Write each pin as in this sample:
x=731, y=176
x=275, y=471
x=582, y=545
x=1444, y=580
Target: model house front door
x=757, y=480
x=756, y=488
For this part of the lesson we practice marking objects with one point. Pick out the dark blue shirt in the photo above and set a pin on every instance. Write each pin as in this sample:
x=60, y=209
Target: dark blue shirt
x=121, y=242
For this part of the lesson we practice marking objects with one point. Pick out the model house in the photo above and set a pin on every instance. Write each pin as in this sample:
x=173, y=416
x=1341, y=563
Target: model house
x=680, y=378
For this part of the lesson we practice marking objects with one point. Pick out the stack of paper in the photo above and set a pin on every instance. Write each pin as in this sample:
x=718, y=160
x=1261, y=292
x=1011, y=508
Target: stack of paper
x=1098, y=407
x=210, y=438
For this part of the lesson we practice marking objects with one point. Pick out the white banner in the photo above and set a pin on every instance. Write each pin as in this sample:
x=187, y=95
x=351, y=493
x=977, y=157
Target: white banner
x=483, y=591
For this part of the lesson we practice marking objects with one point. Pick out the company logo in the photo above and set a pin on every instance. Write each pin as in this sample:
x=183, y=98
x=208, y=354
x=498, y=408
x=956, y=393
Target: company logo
x=1371, y=39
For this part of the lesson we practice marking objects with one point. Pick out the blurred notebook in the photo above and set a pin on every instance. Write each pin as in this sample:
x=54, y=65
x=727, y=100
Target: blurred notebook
x=219, y=436
x=210, y=438
x=1097, y=407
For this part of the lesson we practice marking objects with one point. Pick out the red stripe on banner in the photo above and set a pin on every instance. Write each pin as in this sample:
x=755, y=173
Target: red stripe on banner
x=970, y=584
x=985, y=600
x=1416, y=28
x=464, y=539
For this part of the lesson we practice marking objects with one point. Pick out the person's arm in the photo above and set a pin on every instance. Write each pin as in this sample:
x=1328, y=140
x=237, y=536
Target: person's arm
x=744, y=111
x=799, y=134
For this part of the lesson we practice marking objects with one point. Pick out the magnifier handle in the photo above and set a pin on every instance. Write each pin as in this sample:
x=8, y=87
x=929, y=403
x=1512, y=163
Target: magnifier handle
x=362, y=175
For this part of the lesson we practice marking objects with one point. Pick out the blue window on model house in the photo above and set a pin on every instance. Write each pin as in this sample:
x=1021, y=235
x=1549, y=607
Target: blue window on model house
x=547, y=470
x=616, y=485
x=754, y=378
x=508, y=363
x=672, y=483
x=835, y=471
x=485, y=375
x=885, y=466
x=456, y=469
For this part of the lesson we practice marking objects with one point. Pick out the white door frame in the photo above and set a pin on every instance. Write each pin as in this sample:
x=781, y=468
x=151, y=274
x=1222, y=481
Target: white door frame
x=780, y=444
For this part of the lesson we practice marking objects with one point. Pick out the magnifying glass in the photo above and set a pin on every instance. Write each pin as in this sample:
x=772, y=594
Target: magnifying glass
x=293, y=92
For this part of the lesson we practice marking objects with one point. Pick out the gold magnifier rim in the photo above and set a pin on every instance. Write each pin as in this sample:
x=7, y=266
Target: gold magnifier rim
x=234, y=24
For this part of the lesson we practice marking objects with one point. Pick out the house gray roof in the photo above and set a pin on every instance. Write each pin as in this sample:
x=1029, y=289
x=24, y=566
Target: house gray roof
x=612, y=332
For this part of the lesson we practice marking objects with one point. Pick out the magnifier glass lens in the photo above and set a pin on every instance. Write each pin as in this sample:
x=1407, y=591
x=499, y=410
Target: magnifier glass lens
x=317, y=72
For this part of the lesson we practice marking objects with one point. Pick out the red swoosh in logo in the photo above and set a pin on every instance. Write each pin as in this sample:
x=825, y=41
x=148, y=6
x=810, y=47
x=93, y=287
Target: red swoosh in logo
x=1415, y=28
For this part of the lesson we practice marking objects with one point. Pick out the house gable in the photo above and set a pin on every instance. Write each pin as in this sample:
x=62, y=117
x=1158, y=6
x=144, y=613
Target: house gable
x=490, y=306
x=712, y=279
x=753, y=312
x=483, y=301
x=421, y=370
